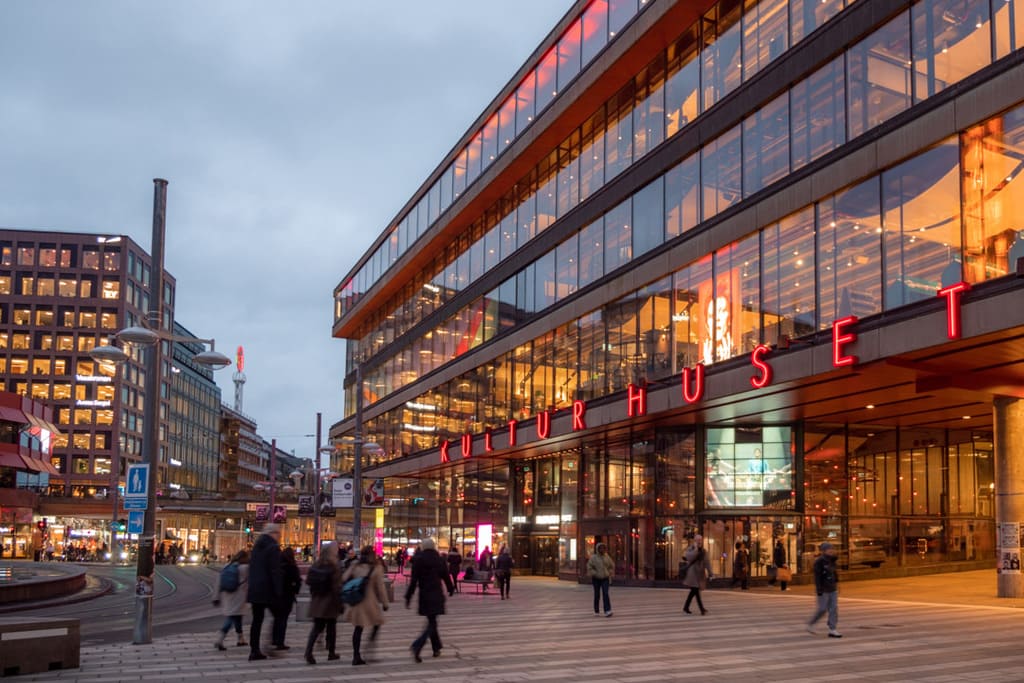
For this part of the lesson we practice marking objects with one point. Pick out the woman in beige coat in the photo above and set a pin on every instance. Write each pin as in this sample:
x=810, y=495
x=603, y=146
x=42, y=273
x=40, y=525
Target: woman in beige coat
x=370, y=610
x=698, y=572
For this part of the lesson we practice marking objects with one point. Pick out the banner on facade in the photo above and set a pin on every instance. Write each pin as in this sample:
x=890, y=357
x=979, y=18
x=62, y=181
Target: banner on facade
x=342, y=490
x=307, y=506
x=326, y=509
x=373, y=495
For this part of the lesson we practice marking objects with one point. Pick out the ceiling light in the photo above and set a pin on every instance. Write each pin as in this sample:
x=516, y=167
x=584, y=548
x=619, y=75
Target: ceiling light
x=870, y=406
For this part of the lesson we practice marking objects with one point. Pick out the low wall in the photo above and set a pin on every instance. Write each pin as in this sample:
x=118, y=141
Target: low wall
x=18, y=583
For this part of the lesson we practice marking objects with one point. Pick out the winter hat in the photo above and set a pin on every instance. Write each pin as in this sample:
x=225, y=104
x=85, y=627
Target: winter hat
x=825, y=546
x=428, y=544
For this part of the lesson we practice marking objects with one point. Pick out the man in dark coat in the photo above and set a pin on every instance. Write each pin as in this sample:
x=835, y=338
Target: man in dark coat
x=454, y=565
x=429, y=572
x=266, y=583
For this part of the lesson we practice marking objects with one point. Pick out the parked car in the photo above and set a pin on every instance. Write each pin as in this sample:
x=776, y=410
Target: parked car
x=869, y=551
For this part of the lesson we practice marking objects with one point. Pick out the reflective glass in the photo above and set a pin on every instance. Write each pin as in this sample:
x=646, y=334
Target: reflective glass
x=569, y=54
x=617, y=237
x=807, y=15
x=567, y=263
x=766, y=145
x=591, y=253
x=765, y=33
x=506, y=124
x=721, y=173
x=547, y=87
x=619, y=136
x=682, y=85
x=592, y=155
x=878, y=76
x=682, y=197
x=648, y=217
x=525, y=99
x=619, y=14
x=721, y=58
x=1009, y=26
x=649, y=108
x=818, y=113
x=951, y=41
x=789, y=276
x=595, y=29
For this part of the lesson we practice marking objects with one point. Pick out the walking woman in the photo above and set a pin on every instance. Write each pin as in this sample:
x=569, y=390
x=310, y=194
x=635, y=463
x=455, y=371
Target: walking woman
x=600, y=567
x=429, y=574
x=698, y=571
x=368, y=612
x=779, y=560
x=232, y=604
x=324, y=580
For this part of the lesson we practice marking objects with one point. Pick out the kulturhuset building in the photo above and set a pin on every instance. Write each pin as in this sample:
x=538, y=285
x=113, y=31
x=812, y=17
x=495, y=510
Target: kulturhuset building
x=749, y=269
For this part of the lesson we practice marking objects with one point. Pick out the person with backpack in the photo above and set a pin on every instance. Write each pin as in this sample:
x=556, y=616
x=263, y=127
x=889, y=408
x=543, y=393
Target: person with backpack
x=366, y=597
x=266, y=584
x=324, y=581
x=231, y=597
x=429, y=573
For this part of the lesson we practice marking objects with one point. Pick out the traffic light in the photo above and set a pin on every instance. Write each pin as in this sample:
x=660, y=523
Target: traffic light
x=41, y=524
x=122, y=525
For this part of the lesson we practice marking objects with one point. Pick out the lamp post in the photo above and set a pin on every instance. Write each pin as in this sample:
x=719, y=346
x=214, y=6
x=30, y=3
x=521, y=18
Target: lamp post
x=152, y=338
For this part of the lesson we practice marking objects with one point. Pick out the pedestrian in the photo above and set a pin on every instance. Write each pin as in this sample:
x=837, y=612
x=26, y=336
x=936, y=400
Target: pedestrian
x=292, y=586
x=698, y=571
x=600, y=568
x=428, y=574
x=454, y=565
x=740, y=566
x=826, y=585
x=266, y=584
x=205, y=553
x=779, y=560
x=503, y=573
x=324, y=580
x=485, y=559
x=368, y=612
x=400, y=557
x=232, y=603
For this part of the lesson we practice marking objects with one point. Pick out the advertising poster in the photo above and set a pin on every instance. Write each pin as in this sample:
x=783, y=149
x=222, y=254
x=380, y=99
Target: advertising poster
x=307, y=506
x=262, y=514
x=1009, y=535
x=326, y=509
x=373, y=496
x=719, y=316
x=341, y=492
x=280, y=514
x=1009, y=547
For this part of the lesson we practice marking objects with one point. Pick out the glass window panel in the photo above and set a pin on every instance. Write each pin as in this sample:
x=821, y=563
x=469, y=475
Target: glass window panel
x=591, y=253
x=447, y=181
x=683, y=82
x=459, y=177
x=619, y=14
x=526, y=218
x=992, y=160
x=737, y=303
x=547, y=88
x=489, y=141
x=617, y=237
x=788, y=266
x=545, y=280
x=619, y=138
x=547, y=204
x=655, y=305
x=569, y=55
x=700, y=292
x=818, y=113
x=850, y=253
x=648, y=217
x=567, y=262
x=721, y=60
x=749, y=467
x=474, y=161
x=921, y=201
x=526, y=97
x=592, y=155
x=569, y=173
x=1009, y=26
x=878, y=76
x=807, y=15
x=766, y=145
x=765, y=33
x=509, y=235
x=649, y=111
x=682, y=197
x=624, y=361
x=595, y=29
x=951, y=41
x=506, y=124
x=721, y=180
x=492, y=247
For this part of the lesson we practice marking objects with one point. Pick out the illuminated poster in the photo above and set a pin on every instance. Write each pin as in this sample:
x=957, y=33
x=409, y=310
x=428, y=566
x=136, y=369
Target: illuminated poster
x=307, y=506
x=719, y=316
x=373, y=496
x=746, y=469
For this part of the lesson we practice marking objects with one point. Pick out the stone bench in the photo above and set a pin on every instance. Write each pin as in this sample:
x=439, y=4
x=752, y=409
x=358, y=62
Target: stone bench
x=31, y=645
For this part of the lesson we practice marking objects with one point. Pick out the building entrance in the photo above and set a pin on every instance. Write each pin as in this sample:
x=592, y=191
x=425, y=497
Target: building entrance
x=537, y=555
x=760, y=533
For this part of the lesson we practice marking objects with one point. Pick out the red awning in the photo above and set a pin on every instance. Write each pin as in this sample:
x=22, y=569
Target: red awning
x=33, y=465
x=9, y=414
x=11, y=460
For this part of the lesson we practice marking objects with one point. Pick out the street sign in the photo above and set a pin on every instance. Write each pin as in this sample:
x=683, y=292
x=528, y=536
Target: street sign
x=137, y=483
x=114, y=526
x=135, y=521
x=135, y=503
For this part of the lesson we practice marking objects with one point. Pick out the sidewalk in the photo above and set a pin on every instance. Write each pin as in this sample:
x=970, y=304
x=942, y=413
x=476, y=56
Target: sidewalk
x=946, y=627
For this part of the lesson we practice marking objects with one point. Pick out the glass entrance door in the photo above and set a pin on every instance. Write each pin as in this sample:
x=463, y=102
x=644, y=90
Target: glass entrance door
x=758, y=533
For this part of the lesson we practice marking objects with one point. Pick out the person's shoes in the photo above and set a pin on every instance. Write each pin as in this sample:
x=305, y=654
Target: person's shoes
x=220, y=646
x=219, y=643
x=331, y=656
x=241, y=642
x=310, y=659
x=810, y=629
x=703, y=612
x=608, y=613
x=502, y=597
x=437, y=653
x=834, y=634
x=415, y=655
x=687, y=610
x=282, y=647
x=253, y=656
x=358, y=661
x=596, y=613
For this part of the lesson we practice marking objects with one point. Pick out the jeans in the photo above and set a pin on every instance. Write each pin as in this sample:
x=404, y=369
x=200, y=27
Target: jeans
x=318, y=627
x=232, y=620
x=827, y=602
x=694, y=593
x=601, y=592
x=504, y=581
x=429, y=632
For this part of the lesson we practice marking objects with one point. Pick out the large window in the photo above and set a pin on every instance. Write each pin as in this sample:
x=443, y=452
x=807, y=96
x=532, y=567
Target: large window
x=749, y=467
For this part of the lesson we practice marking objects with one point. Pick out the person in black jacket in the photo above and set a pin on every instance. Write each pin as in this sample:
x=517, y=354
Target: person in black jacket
x=429, y=572
x=779, y=559
x=266, y=583
x=292, y=586
x=503, y=572
x=826, y=585
x=454, y=565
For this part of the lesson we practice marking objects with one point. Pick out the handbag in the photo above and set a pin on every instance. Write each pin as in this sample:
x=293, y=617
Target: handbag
x=784, y=574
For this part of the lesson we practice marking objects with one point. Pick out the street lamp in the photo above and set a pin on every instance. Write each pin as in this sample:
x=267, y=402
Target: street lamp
x=151, y=340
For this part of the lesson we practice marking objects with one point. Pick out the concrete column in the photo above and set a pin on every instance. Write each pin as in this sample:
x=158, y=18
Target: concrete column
x=1008, y=419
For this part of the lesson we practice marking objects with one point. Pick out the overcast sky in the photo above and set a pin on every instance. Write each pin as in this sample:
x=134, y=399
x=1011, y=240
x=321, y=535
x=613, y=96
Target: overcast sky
x=290, y=133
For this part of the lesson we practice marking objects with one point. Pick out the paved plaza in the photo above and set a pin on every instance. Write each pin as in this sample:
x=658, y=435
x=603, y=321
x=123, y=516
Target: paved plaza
x=937, y=628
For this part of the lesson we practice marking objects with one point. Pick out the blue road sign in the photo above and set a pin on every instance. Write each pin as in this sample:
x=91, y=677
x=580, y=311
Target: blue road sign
x=135, y=520
x=136, y=482
x=135, y=503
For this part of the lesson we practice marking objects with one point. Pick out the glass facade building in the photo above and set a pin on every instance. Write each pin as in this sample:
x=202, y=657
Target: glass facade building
x=566, y=355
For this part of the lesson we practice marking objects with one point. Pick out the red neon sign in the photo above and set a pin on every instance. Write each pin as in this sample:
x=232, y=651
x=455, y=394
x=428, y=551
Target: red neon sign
x=579, y=409
x=636, y=400
x=839, y=340
x=544, y=424
x=488, y=443
x=698, y=384
x=757, y=360
x=467, y=445
x=240, y=359
x=444, y=451
x=512, y=432
x=952, y=294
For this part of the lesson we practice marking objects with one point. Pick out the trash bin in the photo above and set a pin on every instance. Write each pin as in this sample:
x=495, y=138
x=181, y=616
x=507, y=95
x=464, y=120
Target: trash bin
x=389, y=584
x=302, y=608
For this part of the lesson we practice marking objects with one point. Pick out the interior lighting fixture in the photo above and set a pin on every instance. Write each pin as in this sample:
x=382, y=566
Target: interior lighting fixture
x=870, y=406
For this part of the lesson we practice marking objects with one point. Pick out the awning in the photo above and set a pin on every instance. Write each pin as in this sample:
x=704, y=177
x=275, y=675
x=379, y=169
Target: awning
x=9, y=414
x=11, y=460
x=33, y=464
x=41, y=423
